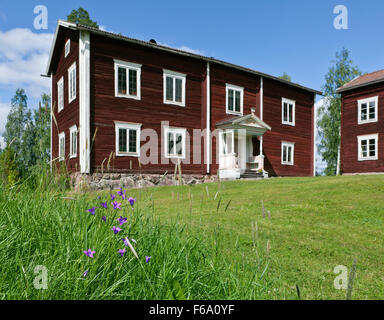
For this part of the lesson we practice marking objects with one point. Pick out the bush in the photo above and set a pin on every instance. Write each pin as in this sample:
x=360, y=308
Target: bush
x=9, y=170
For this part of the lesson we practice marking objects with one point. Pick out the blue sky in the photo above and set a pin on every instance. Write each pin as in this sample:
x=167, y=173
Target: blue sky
x=274, y=36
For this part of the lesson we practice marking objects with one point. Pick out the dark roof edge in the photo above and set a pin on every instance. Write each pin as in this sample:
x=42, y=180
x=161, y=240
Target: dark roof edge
x=177, y=51
x=341, y=89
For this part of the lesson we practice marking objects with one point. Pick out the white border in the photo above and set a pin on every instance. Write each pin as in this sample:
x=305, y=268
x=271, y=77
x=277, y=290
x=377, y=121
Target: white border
x=128, y=126
x=58, y=94
x=70, y=69
x=367, y=101
x=61, y=135
x=236, y=88
x=288, y=144
x=289, y=101
x=174, y=75
x=367, y=137
x=71, y=153
x=127, y=65
x=181, y=131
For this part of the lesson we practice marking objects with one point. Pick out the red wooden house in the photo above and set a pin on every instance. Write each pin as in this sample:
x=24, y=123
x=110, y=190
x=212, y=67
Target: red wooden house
x=148, y=106
x=362, y=124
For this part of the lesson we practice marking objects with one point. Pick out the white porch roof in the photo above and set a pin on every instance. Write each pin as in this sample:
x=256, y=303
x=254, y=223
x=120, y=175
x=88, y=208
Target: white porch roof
x=251, y=123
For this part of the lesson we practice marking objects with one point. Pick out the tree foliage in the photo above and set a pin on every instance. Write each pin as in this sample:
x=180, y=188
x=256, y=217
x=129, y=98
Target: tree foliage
x=9, y=169
x=81, y=16
x=341, y=72
x=286, y=76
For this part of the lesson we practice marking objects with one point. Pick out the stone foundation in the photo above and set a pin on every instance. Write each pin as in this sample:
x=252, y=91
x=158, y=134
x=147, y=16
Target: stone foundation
x=111, y=181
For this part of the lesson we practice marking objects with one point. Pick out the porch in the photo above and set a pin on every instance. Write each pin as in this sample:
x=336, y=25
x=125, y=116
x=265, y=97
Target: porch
x=241, y=147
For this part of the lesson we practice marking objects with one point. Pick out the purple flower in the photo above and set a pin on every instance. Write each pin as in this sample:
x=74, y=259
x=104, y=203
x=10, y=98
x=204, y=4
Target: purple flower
x=122, y=220
x=113, y=196
x=104, y=204
x=89, y=253
x=104, y=218
x=125, y=240
x=99, y=197
x=124, y=196
x=147, y=258
x=116, y=205
x=121, y=251
x=85, y=273
x=116, y=229
x=92, y=210
x=132, y=201
x=120, y=192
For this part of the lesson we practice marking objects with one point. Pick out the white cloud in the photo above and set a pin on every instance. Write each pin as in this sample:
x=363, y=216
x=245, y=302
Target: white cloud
x=184, y=48
x=23, y=58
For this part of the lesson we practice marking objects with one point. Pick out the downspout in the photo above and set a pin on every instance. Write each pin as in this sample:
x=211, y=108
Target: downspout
x=314, y=134
x=208, y=106
x=261, y=111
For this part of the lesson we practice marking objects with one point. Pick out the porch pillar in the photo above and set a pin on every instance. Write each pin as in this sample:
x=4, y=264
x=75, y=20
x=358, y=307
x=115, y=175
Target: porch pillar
x=261, y=146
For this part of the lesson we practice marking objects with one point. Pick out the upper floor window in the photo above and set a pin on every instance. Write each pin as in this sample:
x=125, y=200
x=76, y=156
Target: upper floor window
x=60, y=94
x=234, y=99
x=62, y=146
x=175, y=142
x=287, y=153
x=127, y=139
x=174, y=87
x=288, y=111
x=367, y=110
x=73, y=141
x=367, y=147
x=72, y=83
x=67, y=48
x=127, y=79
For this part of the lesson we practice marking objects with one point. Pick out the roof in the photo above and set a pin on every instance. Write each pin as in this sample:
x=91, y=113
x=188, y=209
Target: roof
x=250, y=121
x=97, y=31
x=364, y=80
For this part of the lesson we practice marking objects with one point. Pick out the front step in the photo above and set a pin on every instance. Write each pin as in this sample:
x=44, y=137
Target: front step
x=249, y=174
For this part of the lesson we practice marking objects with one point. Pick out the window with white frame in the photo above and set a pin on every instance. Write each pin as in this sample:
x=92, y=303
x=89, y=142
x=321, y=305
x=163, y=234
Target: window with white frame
x=127, y=79
x=234, y=100
x=67, y=48
x=227, y=142
x=73, y=141
x=287, y=153
x=368, y=147
x=60, y=94
x=174, y=87
x=367, y=110
x=174, y=142
x=288, y=111
x=127, y=139
x=61, y=146
x=72, y=83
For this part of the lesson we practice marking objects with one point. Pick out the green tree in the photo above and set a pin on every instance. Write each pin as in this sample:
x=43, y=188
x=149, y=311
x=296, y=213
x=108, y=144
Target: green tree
x=42, y=129
x=9, y=171
x=286, y=77
x=81, y=16
x=341, y=72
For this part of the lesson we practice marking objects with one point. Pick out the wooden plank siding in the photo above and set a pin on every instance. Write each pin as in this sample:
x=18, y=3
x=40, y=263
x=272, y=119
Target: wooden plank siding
x=69, y=116
x=150, y=110
x=350, y=130
x=301, y=133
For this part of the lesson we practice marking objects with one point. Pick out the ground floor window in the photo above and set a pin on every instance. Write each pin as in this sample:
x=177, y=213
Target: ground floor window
x=287, y=153
x=127, y=139
x=73, y=141
x=61, y=146
x=367, y=147
x=175, y=142
x=227, y=142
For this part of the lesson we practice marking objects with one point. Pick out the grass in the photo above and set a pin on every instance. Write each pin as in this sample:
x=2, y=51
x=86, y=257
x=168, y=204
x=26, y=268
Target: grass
x=206, y=241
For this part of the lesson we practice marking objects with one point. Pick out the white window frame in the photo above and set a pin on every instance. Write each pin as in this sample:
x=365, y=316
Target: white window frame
x=234, y=88
x=175, y=131
x=73, y=153
x=367, y=101
x=127, y=126
x=174, y=75
x=67, y=48
x=71, y=69
x=61, y=136
x=288, y=144
x=221, y=142
x=359, y=151
x=60, y=94
x=128, y=66
x=293, y=103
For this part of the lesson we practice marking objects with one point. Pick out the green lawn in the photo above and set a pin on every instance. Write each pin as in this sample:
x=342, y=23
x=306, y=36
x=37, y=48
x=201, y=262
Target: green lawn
x=204, y=244
x=316, y=224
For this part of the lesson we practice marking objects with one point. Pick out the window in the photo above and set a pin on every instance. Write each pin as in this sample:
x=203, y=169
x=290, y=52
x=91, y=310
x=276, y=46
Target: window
x=367, y=147
x=73, y=141
x=174, y=142
x=287, y=152
x=72, y=83
x=367, y=110
x=174, y=87
x=67, y=48
x=288, y=111
x=227, y=142
x=127, y=79
x=61, y=146
x=234, y=104
x=60, y=94
x=127, y=139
